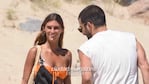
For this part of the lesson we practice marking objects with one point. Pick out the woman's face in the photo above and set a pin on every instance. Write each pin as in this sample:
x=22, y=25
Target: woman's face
x=53, y=30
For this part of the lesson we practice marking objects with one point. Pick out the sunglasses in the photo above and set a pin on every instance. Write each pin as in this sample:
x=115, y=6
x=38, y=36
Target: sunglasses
x=80, y=29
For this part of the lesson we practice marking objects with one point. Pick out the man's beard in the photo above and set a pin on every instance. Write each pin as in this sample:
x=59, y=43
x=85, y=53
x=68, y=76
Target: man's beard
x=89, y=36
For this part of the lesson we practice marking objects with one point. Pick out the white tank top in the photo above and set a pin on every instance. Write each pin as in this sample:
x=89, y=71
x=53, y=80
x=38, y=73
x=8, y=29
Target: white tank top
x=113, y=56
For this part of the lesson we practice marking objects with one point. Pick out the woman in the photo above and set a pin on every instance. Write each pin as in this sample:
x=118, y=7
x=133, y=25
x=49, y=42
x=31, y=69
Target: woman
x=52, y=54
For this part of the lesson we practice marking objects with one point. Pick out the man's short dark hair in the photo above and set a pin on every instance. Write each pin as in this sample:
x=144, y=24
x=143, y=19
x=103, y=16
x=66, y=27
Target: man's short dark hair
x=93, y=14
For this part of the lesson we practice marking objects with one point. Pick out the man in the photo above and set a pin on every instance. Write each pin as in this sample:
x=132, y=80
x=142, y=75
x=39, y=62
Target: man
x=109, y=57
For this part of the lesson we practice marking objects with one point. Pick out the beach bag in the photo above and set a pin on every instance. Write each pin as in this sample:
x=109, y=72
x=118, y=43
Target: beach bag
x=43, y=76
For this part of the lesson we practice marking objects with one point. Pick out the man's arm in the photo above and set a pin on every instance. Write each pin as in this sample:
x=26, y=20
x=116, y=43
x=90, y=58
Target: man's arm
x=143, y=63
x=86, y=67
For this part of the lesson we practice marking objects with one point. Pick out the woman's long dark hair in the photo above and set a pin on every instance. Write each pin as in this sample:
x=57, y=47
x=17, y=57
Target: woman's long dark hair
x=41, y=38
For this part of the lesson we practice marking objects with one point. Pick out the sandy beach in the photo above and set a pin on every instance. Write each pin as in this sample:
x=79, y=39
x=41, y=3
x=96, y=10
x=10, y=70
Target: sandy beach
x=15, y=43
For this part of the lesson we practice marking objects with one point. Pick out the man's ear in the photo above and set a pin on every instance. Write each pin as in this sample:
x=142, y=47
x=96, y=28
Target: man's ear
x=89, y=25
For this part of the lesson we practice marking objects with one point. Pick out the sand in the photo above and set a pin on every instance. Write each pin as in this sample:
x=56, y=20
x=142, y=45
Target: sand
x=15, y=43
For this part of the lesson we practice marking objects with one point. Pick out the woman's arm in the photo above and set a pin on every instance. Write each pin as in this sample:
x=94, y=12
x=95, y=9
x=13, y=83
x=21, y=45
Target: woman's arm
x=29, y=65
x=67, y=80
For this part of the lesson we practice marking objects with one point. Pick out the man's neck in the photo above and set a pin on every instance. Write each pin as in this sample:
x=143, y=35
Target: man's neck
x=99, y=29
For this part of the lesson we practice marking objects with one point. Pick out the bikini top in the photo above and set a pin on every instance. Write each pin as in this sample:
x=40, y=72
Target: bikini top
x=57, y=72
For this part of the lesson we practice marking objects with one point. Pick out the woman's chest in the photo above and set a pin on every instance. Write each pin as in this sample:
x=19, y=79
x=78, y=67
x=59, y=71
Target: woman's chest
x=54, y=59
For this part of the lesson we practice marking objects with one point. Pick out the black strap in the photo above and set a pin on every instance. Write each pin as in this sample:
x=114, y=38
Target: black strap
x=41, y=60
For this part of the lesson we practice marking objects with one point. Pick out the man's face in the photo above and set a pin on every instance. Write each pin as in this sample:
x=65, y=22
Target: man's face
x=84, y=30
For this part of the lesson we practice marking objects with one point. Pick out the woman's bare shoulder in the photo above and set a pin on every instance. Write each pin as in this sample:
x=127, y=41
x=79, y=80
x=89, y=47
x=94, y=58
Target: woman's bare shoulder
x=66, y=52
x=69, y=57
x=69, y=53
x=33, y=49
x=32, y=52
